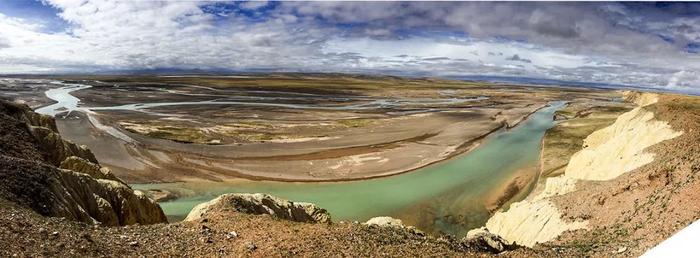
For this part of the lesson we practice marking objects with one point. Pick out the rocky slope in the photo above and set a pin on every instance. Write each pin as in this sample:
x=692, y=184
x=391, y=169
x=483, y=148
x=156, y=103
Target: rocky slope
x=639, y=209
x=55, y=177
x=218, y=234
x=606, y=154
x=631, y=186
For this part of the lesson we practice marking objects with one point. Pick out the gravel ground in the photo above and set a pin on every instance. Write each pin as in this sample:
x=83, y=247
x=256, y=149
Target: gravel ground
x=25, y=233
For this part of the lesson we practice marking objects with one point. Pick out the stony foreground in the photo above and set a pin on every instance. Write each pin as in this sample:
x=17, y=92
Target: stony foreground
x=25, y=233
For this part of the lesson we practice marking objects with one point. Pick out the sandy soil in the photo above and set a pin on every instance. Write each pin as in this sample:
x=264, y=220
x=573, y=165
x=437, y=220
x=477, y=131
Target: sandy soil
x=401, y=125
x=514, y=189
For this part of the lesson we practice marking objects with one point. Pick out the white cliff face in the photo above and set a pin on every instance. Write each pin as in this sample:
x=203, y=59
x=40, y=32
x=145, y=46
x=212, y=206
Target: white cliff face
x=535, y=220
x=557, y=186
x=607, y=154
x=530, y=222
x=619, y=148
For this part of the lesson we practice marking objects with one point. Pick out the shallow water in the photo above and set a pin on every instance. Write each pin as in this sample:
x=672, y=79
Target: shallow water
x=64, y=100
x=445, y=197
x=67, y=102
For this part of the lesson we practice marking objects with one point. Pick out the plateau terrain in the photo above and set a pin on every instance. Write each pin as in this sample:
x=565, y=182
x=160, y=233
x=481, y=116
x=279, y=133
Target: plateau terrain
x=201, y=128
x=593, y=151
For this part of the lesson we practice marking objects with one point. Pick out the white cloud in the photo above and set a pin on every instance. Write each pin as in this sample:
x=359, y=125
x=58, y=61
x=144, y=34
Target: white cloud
x=684, y=81
x=562, y=41
x=147, y=34
x=252, y=5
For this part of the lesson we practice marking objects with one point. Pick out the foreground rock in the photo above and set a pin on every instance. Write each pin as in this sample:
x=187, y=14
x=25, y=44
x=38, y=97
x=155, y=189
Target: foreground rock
x=262, y=204
x=271, y=238
x=481, y=237
x=160, y=195
x=31, y=151
x=385, y=222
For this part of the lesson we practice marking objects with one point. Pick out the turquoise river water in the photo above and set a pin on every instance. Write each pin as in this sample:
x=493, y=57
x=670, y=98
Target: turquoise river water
x=446, y=197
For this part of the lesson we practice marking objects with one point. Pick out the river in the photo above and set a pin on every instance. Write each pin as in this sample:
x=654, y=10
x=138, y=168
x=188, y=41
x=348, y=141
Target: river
x=447, y=197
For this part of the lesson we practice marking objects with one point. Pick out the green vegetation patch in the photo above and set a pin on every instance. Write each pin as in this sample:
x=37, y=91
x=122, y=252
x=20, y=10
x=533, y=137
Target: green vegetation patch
x=356, y=122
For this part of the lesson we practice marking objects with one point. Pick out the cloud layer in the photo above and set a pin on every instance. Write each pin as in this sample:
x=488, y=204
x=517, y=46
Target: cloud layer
x=638, y=44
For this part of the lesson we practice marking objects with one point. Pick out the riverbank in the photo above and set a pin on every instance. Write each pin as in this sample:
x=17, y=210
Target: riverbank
x=641, y=190
x=160, y=162
x=317, y=133
x=441, y=206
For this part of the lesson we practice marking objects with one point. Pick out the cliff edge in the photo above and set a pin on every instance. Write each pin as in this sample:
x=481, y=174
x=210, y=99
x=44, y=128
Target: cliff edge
x=55, y=177
x=606, y=154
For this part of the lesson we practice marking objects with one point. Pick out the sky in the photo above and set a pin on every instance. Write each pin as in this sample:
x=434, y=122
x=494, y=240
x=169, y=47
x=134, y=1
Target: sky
x=640, y=44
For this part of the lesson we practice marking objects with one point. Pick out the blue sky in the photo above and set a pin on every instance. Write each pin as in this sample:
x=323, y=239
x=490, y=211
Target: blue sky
x=641, y=44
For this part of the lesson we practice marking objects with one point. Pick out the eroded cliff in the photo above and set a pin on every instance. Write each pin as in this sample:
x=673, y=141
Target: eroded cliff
x=606, y=154
x=55, y=177
x=620, y=148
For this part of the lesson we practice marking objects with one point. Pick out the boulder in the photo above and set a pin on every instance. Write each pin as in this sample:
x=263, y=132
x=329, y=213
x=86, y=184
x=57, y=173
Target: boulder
x=482, y=239
x=560, y=117
x=159, y=195
x=262, y=204
x=385, y=222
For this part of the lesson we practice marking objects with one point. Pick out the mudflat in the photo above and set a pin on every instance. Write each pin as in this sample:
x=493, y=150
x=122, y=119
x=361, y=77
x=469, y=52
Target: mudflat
x=290, y=127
